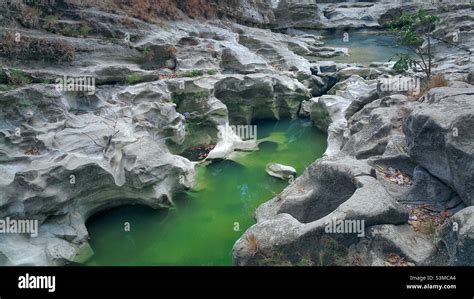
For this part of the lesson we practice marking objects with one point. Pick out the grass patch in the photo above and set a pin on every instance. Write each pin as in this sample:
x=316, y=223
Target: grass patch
x=15, y=78
x=195, y=97
x=193, y=73
x=134, y=79
x=18, y=77
x=276, y=259
x=212, y=72
x=82, y=31
x=332, y=253
x=50, y=20
x=68, y=30
x=201, y=94
x=430, y=228
x=279, y=259
x=6, y=87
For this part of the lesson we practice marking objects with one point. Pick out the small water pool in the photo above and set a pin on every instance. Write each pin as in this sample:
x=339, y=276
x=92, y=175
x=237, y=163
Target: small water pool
x=209, y=219
x=364, y=47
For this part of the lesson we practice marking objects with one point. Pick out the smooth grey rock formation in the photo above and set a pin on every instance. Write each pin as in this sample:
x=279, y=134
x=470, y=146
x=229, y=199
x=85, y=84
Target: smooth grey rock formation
x=202, y=111
x=366, y=73
x=367, y=127
x=281, y=52
x=357, y=104
x=296, y=14
x=440, y=129
x=470, y=77
x=328, y=52
x=352, y=15
x=280, y=171
x=328, y=112
x=457, y=238
x=259, y=96
x=296, y=220
x=248, y=11
x=241, y=61
x=170, y=87
x=60, y=163
x=402, y=240
x=365, y=15
x=76, y=154
x=327, y=67
x=229, y=141
x=372, y=128
x=427, y=189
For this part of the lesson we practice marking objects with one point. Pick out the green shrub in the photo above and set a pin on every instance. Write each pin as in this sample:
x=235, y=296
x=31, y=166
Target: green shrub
x=194, y=97
x=50, y=20
x=212, y=72
x=305, y=261
x=68, y=30
x=85, y=30
x=18, y=77
x=193, y=73
x=411, y=30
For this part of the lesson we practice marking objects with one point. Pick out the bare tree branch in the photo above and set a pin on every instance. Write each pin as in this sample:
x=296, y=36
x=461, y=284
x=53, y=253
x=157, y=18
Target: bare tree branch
x=92, y=140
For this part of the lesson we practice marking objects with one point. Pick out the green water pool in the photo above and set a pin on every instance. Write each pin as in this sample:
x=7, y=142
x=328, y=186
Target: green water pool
x=364, y=47
x=207, y=221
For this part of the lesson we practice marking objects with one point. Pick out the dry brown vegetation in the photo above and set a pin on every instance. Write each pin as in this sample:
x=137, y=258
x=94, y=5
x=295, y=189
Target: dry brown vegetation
x=197, y=8
x=394, y=260
x=438, y=80
x=253, y=244
x=149, y=10
x=30, y=48
x=30, y=17
x=426, y=219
